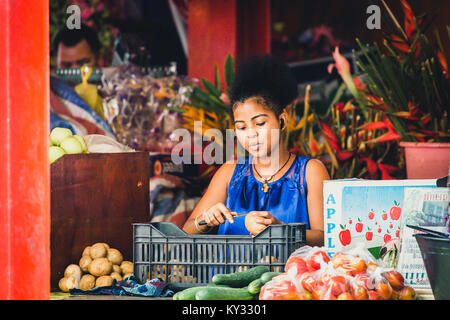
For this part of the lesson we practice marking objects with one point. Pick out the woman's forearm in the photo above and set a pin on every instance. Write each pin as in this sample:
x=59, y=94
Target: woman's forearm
x=190, y=228
x=314, y=238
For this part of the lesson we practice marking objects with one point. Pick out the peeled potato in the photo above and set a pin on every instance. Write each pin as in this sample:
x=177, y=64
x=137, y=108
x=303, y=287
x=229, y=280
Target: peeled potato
x=67, y=283
x=100, y=267
x=84, y=263
x=106, y=245
x=87, y=282
x=98, y=250
x=104, y=281
x=74, y=271
x=252, y=226
x=117, y=269
x=116, y=276
x=127, y=267
x=114, y=256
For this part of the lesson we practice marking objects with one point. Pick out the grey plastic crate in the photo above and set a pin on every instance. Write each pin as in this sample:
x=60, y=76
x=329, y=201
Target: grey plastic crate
x=162, y=250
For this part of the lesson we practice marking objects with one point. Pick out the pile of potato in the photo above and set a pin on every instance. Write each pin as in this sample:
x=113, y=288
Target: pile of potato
x=98, y=267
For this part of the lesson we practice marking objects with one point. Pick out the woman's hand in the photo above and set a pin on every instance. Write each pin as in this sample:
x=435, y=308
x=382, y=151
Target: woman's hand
x=216, y=215
x=257, y=221
x=264, y=217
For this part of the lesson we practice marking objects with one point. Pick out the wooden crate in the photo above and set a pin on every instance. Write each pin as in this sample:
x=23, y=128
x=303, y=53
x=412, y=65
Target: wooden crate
x=96, y=198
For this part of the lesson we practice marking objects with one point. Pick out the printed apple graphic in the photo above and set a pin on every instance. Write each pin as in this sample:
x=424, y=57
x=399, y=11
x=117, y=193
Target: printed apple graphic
x=369, y=234
x=358, y=226
x=397, y=233
x=350, y=221
x=384, y=215
x=395, y=211
x=391, y=226
x=344, y=236
x=387, y=237
x=379, y=230
x=371, y=214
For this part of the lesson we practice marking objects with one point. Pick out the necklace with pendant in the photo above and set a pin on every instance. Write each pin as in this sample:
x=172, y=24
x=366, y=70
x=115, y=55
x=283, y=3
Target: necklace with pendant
x=265, y=187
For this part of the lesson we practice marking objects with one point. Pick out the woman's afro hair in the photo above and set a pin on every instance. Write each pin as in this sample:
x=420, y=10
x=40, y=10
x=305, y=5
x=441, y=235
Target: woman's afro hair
x=267, y=77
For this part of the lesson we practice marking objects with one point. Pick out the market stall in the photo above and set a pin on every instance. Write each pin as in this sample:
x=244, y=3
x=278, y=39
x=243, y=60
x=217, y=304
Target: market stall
x=143, y=203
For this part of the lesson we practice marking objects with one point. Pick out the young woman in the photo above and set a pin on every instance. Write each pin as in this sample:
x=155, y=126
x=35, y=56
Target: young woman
x=271, y=184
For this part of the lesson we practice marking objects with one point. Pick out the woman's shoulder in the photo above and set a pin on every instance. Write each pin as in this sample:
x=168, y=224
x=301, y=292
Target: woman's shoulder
x=315, y=169
x=226, y=170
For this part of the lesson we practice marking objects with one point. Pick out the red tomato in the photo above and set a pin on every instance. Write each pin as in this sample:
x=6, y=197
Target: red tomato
x=339, y=259
x=384, y=290
x=298, y=263
x=364, y=280
x=281, y=290
x=407, y=293
x=371, y=266
x=317, y=258
x=338, y=285
x=395, y=279
x=324, y=279
x=345, y=296
x=357, y=265
x=373, y=295
x=360, y=293
x=308, y=281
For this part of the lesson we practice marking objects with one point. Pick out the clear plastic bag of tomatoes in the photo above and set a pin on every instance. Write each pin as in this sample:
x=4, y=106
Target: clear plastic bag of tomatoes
x=348, y=275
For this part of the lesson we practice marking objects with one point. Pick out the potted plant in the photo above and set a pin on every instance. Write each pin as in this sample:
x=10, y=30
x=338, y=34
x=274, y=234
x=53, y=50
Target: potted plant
x=407, y=80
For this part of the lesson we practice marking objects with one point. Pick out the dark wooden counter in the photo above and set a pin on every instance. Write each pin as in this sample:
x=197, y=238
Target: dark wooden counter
x=96, y=198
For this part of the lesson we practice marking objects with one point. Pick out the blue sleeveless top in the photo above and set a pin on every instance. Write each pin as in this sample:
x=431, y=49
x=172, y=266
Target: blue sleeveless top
x=285, y=199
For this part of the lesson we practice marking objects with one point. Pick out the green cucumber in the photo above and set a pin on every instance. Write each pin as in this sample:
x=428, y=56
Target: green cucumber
x=266, y=277
x=217, y=285
x=222, y=293
x=240, y=279
x=255, y=286
x=189, y=293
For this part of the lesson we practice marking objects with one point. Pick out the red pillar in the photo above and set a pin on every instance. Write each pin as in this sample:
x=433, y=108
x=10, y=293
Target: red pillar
x=219, y=28
x=24, y=166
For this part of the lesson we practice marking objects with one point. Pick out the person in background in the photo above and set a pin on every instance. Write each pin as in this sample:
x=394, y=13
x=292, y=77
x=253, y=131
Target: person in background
x=76, y=47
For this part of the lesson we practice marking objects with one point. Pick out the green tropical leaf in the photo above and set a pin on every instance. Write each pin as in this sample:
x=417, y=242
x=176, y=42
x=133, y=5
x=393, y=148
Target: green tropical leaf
x=211, y=88
x=217, y=78
x=229, y=71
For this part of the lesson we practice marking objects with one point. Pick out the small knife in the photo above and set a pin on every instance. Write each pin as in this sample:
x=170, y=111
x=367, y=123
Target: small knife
x=202, y=223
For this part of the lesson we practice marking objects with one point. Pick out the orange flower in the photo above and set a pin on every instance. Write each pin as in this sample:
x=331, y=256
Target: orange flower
x=443, y=63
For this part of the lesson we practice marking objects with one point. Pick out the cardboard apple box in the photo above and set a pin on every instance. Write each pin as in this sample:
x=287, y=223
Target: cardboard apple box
x=365, y=211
